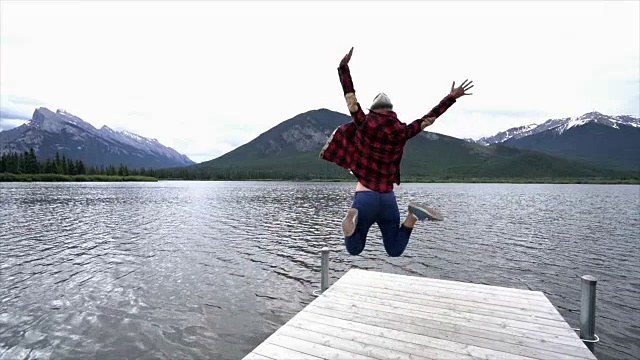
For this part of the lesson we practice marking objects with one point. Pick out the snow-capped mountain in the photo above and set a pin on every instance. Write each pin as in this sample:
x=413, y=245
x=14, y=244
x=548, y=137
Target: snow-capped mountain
x=604, y=139
x=515, y=132
x=49, y=132
x=141, y=142
x=560, y=126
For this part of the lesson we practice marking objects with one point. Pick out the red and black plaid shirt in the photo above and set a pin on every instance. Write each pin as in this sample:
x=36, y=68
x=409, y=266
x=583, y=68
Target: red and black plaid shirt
x=371, y=145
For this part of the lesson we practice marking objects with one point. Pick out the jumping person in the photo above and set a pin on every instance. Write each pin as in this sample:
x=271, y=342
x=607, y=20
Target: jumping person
x=371, y=147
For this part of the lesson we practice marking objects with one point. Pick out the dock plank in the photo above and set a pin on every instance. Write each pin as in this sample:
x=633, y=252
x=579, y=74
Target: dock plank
x=455, y=299
x=254, y=356
x=479, y=292
x=299, y=329
x=442, y=322
x=502, y=345
x=375, y=328
x=466, y=286
x=314, y=349
x=518, y=320
x=274, y=351
x=415, y=351
x=374, y=315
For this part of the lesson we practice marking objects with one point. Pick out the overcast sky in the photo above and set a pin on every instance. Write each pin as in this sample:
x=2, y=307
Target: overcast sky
x=207, y=76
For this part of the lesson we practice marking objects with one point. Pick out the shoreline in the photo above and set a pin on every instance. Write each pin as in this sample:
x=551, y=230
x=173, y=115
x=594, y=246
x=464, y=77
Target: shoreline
x=442, y=181
x=10, y=177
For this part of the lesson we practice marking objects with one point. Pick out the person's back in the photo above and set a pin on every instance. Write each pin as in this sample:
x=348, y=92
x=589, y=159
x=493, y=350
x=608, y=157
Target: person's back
x=381, y=139
x=371, y=147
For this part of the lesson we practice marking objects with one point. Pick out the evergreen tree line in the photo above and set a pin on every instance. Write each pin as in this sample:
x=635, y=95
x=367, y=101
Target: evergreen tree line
x=27, y=163
x=525, y=169
x=196, y=173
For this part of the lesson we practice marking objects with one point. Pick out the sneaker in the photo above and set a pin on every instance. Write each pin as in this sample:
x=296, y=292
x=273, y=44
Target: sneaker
x=422, y=212
x=349, y=222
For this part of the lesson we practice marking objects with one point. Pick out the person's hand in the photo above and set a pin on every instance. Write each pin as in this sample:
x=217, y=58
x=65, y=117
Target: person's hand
x=346, y=58
x=461, y=90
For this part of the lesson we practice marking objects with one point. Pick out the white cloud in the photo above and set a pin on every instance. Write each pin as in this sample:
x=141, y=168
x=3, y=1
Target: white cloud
x=205, y=76
x=7, y=123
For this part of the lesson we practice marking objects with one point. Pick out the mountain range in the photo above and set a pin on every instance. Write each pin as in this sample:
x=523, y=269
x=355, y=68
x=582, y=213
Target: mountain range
x=590, y=145
x=609, y=141
x=293, y=146
x=49, y=132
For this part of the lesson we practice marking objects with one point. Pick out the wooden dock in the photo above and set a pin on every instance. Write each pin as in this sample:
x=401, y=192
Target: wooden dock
x=372, y=315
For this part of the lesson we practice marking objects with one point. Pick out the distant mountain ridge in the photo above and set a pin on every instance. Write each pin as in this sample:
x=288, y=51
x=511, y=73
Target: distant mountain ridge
x=49, y=132
x=292, y=148
x=610, y=141
x=560, y=126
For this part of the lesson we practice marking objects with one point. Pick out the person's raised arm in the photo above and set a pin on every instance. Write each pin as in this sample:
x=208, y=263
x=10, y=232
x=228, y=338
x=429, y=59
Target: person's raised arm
x=349, y=92
x=417, y=126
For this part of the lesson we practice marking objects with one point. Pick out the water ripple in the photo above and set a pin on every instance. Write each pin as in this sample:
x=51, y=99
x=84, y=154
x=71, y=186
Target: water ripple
x=180, y=270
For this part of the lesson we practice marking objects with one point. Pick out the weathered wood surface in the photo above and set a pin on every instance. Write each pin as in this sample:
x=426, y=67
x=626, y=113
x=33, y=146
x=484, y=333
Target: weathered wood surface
x=373, y=315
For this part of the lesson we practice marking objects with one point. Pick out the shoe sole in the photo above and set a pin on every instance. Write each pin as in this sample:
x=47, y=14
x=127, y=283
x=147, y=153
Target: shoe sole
x=349, y=222
x=423, y=213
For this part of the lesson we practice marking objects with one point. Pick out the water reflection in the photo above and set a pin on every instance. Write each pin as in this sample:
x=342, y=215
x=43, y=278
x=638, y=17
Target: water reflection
x=181, y=270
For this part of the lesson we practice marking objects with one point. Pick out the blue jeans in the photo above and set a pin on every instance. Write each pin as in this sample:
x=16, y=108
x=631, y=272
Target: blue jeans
x=380, y=208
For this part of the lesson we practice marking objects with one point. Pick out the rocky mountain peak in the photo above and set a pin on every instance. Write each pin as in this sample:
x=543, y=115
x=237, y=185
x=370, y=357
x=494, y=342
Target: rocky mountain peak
x=41, y=114
x=49, y=132
x=560, y=126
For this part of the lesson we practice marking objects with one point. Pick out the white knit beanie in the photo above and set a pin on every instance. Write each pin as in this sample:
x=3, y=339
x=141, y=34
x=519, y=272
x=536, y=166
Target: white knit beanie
x=381, y=101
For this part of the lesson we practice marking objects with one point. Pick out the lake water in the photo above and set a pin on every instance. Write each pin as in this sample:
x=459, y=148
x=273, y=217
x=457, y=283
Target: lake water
x=194, y=270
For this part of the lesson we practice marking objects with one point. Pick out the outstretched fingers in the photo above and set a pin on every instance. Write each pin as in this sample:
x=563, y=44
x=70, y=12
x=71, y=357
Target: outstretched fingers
x=462, y=89
x=464, y=84
x=466, y=87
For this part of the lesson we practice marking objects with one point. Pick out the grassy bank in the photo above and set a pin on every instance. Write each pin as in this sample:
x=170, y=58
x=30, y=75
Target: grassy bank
x=9, y=177
x=507, y=181
x=455, y=180
x=531, y=181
